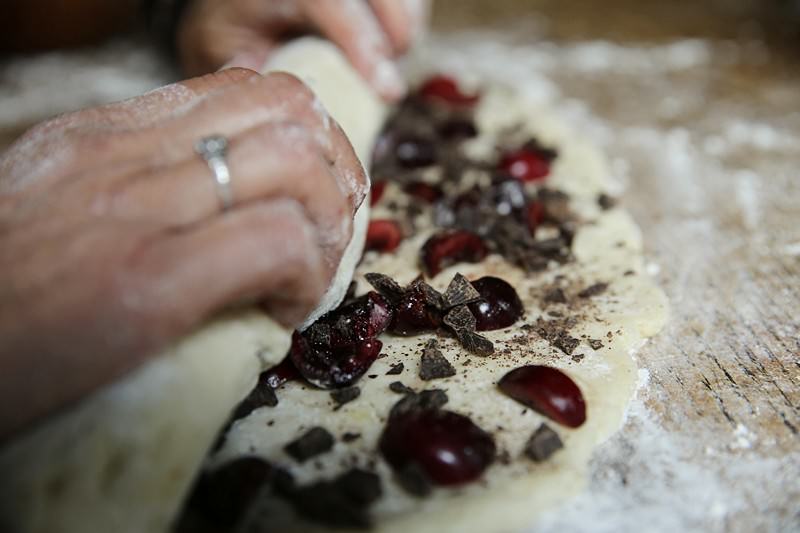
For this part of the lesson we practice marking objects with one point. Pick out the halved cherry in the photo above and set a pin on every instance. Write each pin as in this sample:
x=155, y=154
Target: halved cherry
x=415, y=152
x=327, y=369
x=448, y=448
x=445, y=89
x=383, y=235
x=548, y=391
x=414, y=313
x=499, y=306
x=450, y=247
x=376, y=192
x=525, y=165
x=424, y=191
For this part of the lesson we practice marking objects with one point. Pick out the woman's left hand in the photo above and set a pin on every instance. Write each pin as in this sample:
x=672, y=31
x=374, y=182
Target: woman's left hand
x=242, y=33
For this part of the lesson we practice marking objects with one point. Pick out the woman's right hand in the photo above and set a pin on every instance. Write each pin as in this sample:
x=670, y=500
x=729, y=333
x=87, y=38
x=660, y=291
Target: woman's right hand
x=113, y=242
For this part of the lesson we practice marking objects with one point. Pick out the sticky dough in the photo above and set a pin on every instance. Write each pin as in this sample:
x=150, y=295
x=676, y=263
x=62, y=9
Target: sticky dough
x=123, y=459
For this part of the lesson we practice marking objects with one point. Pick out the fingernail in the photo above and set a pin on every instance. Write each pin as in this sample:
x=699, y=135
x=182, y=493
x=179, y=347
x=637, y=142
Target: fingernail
x=387, y=80
x=252, y=59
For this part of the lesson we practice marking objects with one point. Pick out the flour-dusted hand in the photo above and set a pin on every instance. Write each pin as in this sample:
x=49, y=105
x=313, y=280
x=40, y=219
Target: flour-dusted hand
x=113, y=241
x=372, y=33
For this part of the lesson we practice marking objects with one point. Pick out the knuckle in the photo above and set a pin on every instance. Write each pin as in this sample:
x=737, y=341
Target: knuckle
x=292, y=85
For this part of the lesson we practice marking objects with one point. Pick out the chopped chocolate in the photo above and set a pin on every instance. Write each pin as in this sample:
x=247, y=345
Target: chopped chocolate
x=262, y=395
x=596, y=344
x=556, y=295
x=556, y=332
x=313, y=442
x=433, y=364
x=396, y=369
x=475, y=343
x=542, y=444
x=372, y=376
x=341, y=502
x=343, y=396
x=386, y=286
x=399, y=388
x=414, y=481
x=606, y=202
x=460, y=318
x=460, y=292
x=427, y=399
x=433, y=297
x=593, y=290
x=350, y=437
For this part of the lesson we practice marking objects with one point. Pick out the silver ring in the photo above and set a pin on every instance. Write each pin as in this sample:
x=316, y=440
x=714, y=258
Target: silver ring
x=213, y=150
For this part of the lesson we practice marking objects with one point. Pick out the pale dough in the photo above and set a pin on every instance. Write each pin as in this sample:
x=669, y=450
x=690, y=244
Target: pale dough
x=511, y=496
x=123, y=459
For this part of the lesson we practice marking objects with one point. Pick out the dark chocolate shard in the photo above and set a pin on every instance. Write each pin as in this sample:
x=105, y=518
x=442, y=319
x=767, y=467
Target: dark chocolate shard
x=460, y=292
x=262, y=395
x=313, y=442
x=414, y=481
x=555, y=295
x=596, y=344
x=542, y=444
x=399, y=388
x=396, y=369
x=556, y=332
x=460, y=318
x=606, y=202
x=433, y=364
x=350, y=437
x=475, y=343
x=386, y=286
x=343, y=396
x=593, y=290
x=427, y=399
x=343, y=502
x=432, y=296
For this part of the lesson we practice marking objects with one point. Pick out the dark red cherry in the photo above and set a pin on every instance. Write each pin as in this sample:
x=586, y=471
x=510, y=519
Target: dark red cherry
x=376, y=192
x=327, y=368
x=423, y=191
x=445, y=89
x=534, y=215
x=414, y=313
x=446, y=446
x=364, y=318
x=383, y=236
x=279, y=374
x=548, y=391
x=499, y=306
x=525, y=165
x=450, y=247
x=415, y=152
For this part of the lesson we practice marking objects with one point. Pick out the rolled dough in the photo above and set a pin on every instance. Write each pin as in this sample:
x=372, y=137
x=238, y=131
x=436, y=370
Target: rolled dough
x=123, y=459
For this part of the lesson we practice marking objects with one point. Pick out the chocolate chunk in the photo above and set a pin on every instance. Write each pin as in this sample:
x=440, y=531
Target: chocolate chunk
x=313, y=442
x=432, y=297
x=556, y=332
x=460, y=292
x=433, y=364
x=398, y=387
x=593, y=290
x=414, y=481
x=542, y=444
x=343, y=396
x=565, y=343
x=596, y=344
x=427, y=399
x=460, y=318
x=475, y=343
x=606, y=202
x=386, y=286
x=262, y=395
x=350, y=437
x=396, y=369
x=342, y=502
x=556, y=296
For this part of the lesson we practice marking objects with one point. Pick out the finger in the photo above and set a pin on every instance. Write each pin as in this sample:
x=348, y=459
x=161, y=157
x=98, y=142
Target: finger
x=269, y=161
x=352, y=25
x=396, y=20
x=266, y=251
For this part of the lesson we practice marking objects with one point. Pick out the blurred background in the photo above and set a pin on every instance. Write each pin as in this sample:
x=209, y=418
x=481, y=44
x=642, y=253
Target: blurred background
x=697, y=104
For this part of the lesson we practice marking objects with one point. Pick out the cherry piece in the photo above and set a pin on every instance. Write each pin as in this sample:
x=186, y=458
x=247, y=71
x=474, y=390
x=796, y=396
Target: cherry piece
x=383, y=236
x=445, y=89
x=499, y=306
x=414, y=152
x=548, y=391
x=534, y=215
x=447, y=447
x=449, y=247
x=525, y=165
x=280, y=373
x=327, y=368
x=414, y=313
x=376, y=192
x=423, y=191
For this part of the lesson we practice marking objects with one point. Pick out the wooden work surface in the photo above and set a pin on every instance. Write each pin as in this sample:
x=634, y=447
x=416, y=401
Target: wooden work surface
x=709, y=146
x=711, y=155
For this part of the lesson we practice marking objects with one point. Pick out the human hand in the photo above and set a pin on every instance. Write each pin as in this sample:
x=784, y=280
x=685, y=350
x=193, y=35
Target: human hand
x=113, y=243
x=243, y=33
